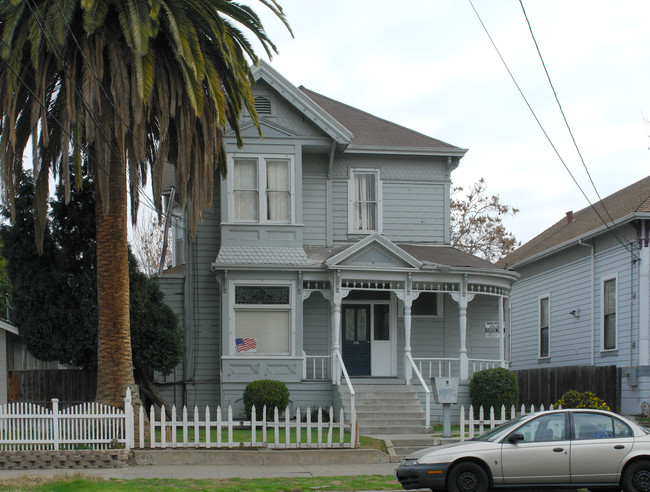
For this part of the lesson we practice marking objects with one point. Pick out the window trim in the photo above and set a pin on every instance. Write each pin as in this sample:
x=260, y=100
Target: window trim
x=540, y=298
x=290, y=308
x=604, y=280
x=262, y=188
x=351, y=201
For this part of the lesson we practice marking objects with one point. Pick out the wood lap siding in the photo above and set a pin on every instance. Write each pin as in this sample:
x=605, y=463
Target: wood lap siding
x=314, y=210
x=413, y=211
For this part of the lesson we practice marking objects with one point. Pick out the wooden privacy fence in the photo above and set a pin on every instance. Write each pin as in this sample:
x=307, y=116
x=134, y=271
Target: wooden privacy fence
x=28, y=426
x=548, y=384
x=471, y=426
x=206, y=431
x=69, y=386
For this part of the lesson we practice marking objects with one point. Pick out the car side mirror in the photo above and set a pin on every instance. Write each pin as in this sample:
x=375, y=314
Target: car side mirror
x=515, y=438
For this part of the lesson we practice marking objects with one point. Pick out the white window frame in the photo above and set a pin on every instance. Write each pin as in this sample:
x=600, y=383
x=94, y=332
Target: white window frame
x=262, y=307
x=603, y=280
x=262, y=188
x=351, y=201
x=539, y=325
x=177, y=237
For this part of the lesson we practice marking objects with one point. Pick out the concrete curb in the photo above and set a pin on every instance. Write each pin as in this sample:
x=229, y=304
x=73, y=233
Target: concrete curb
x=215, y=457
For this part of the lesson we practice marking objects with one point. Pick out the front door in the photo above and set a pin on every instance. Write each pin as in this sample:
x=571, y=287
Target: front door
x=356, y=339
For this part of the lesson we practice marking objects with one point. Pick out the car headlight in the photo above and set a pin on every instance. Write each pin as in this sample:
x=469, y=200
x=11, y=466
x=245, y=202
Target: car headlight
x=408, y=462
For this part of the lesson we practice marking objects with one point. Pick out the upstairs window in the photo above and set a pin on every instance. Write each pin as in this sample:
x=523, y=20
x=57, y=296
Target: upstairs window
x=609, y=314
x=261, y=189
x=364, y=196
x=544, y=327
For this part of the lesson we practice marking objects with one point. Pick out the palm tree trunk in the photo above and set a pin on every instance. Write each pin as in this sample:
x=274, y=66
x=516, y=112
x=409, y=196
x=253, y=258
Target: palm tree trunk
x=114, y=359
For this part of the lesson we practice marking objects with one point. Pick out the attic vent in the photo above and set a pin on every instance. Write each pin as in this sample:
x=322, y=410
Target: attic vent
x=262, y=105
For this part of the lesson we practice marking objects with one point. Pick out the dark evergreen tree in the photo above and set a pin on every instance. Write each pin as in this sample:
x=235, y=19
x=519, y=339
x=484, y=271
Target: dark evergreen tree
x=55, y=295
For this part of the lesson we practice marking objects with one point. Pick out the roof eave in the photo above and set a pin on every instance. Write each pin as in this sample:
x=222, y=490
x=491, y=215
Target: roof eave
x=586, y=236
x=426, y=151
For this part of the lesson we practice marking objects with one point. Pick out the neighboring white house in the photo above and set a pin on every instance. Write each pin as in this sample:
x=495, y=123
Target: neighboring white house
x=584, y=293
x=8, y=334
x=328, y=252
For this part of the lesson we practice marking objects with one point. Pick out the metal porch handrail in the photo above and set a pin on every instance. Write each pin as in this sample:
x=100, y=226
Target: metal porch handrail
x=427, y=391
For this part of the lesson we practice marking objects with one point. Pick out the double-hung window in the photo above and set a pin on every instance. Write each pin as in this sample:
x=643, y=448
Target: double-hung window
x=262, y=189
x=263, y=319
x=609, y=314
x=544, y=327
x=365, y=205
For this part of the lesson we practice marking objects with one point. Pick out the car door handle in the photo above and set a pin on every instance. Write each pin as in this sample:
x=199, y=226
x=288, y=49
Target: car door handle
x=619, y=446
x=558, y=450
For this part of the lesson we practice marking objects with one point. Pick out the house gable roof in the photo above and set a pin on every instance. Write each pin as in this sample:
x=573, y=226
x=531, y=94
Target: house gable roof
x=373, y=134
x=374, y=251
x=6, y=326
x=326, y=122
x=619, y=207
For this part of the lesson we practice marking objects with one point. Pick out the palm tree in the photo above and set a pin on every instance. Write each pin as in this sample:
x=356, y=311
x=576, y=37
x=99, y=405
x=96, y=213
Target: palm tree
x=126, y=86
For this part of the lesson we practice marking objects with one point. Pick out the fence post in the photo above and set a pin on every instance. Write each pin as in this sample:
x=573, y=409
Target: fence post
x=55, y=423
x=129, y=421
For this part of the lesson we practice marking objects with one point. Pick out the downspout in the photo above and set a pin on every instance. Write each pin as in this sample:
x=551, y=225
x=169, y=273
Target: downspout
x=329, y=212
x=644, y=294
x=593, y=301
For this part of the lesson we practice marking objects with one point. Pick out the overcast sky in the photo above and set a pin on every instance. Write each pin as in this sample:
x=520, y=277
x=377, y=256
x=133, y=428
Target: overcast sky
x=429, y=65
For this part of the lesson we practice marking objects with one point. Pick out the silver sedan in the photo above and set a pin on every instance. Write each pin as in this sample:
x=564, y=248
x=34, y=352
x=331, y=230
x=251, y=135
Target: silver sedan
x=570, y=448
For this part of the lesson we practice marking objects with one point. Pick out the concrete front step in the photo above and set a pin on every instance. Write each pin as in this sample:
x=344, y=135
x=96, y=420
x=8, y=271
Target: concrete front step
x=386, y=409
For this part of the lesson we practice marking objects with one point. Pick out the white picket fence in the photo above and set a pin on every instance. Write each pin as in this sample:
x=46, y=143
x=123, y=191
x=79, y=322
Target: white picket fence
x=470, y=426
x=290, y=431
x=27, y=426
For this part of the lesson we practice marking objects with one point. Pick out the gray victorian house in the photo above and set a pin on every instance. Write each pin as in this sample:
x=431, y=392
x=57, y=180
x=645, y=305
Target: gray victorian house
x=326, y=264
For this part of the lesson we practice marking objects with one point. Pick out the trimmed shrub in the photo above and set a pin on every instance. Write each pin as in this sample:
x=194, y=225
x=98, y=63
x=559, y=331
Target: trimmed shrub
x=586, y=399
x=265, y=392
x=493, y=388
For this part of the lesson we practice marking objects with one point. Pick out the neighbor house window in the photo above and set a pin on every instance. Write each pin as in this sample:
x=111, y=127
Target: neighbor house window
x=262, y=189
x=609, y=314
x=262, y=320
x=364, y=196
x=178, y=237
x=544, y=327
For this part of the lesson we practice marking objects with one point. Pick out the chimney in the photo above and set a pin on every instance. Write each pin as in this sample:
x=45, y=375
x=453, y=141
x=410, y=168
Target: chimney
x=569, y=217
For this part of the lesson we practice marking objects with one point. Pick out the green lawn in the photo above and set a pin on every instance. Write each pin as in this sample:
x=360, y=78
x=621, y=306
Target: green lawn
x=78, y=482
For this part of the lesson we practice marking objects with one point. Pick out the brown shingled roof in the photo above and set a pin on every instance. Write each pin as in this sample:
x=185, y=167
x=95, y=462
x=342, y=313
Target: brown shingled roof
x=633, y=198
x=372, y=131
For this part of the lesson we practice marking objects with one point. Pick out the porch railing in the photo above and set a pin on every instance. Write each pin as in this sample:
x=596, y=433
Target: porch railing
x=316, y=366
x=450, y=366
x=344, y=371
x=427, y=391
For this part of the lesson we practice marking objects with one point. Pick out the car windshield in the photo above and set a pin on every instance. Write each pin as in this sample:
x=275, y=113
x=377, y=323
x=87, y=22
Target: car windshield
x=490, y=435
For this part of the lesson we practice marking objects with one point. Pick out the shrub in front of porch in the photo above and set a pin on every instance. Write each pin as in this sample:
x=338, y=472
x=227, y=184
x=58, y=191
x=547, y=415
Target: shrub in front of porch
x=265, y=392
x=575, y=399
x=493, y=388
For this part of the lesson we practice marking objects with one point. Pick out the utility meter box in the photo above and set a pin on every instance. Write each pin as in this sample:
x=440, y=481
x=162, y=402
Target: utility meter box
x=446, y=389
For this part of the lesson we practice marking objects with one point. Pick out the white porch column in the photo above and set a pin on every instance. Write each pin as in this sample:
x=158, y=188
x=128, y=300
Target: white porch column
x=463, y=299
x=502, y=333
x=408, y=372
x=336, y=338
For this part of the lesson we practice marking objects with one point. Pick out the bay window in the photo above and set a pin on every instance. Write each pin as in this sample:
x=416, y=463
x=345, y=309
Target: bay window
x=261, y=189
x=262, y=320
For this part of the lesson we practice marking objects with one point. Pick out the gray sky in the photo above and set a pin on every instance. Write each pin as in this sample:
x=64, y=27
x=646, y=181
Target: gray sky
x=429, y=65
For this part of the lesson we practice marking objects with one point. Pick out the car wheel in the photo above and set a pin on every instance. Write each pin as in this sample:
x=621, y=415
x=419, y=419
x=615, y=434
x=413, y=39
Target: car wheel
x=467, y=477
x=637, y=477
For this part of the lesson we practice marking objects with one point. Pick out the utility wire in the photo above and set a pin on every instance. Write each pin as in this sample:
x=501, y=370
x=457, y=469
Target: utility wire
x=548, y=138
x=557, y=100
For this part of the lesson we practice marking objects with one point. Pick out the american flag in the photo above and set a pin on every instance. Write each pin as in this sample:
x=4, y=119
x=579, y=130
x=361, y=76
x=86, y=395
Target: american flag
x=246, y=345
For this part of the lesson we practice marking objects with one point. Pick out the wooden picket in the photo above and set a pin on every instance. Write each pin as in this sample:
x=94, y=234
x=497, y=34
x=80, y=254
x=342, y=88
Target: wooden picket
x=476, y=427
x=165, y=434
